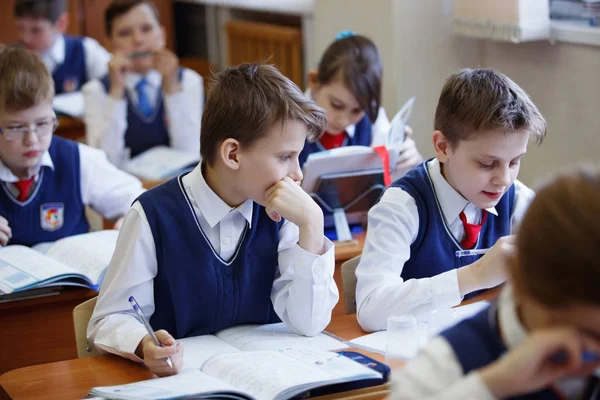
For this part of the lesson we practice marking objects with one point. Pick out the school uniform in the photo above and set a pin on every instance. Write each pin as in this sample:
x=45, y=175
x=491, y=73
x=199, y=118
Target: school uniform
x=146, y=117
x=70, y=176
x=447, y=367
x=74, y=60
x=408, y=264
x=196, y=265
x=363, y=133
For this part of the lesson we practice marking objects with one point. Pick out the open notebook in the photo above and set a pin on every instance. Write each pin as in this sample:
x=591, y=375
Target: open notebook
x=161, y=162
x=261, y=375
x=251, y=362
x=79, y=260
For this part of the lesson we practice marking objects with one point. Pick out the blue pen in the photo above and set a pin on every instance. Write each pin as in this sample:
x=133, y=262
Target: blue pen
x=466, y=253
x=586, y=357
x=140, y=315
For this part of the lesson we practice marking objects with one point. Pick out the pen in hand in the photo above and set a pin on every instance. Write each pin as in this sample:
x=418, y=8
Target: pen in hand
x=140, y=315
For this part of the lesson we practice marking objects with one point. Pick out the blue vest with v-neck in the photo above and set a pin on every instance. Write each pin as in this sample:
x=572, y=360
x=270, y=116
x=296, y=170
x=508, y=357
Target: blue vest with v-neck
x=433, y=251
x=144, y=132
x=72, y=73
x=476, y=343
x=362, y=137
x=54, y=209
x=195, y=291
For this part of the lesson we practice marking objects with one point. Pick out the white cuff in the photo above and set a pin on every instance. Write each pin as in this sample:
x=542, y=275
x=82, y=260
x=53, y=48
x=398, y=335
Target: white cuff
x=445, y=290
x=312, y=267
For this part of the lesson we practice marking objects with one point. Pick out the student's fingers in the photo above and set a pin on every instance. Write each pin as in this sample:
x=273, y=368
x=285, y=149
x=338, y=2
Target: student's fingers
x=165, y=338
x=3, y=239
x=408, y=132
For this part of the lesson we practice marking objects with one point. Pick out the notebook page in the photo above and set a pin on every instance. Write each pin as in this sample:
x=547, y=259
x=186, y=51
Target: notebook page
x=275, y=337
x=160, y=162
x=69, y=103
x=184, y=384
x=88, y=253
x=21, y=266
x=198, y=349
x=281, y=374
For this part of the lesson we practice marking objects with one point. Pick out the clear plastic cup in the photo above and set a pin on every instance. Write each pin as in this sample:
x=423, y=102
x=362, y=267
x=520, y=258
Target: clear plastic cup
x=402, y=341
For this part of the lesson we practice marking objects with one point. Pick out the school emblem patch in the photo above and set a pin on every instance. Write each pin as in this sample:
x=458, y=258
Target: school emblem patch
x=70, y=85
x=52, y=216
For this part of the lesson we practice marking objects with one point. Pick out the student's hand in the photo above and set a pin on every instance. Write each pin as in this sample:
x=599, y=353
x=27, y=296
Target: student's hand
x=286, y=199
x=490, y=270
x=154, y=356
x=5, y=231
x=118, y=66
x=529, y=367
x=408, y=154
x=167, y=63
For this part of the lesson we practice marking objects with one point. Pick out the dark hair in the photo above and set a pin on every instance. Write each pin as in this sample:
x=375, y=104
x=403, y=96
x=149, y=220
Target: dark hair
x=119, y=7
x=245, y=101
x=25, y=79
x=476, y=100
x=49, y=10
x=356, y=61
x=557, y=259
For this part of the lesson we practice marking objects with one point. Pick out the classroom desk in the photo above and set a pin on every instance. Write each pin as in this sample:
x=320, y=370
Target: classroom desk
x=39, y=330
x=71, y=128
x=74, y=378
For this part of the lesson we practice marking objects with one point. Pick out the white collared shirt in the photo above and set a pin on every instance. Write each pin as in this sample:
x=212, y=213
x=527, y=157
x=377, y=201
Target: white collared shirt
x=106, y=118
x=96, y=57
x=393, y=226
x=436, y=373
x=379, y=129
x=303, y=295
x=106, y=189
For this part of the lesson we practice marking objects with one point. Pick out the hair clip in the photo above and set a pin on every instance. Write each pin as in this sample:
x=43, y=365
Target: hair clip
x=344, y=34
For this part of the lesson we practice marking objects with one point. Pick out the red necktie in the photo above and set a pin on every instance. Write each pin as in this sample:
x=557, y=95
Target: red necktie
x=471, y=230
x=330, y=141
x=23, y=187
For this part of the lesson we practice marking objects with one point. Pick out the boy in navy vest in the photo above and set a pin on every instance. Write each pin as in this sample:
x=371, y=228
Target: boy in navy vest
x=71, y=60
x=466, y=198
x=47, y=181
x=347, y=84
x=541, y=339
x=146, y=100
x=235, y=241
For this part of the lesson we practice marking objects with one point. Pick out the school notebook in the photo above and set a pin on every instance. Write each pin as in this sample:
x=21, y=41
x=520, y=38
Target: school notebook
x=79, y=260
x=260, y=375
x=161, y=162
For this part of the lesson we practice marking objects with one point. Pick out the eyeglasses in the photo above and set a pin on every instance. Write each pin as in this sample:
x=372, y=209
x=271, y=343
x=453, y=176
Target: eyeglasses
x=18, y=131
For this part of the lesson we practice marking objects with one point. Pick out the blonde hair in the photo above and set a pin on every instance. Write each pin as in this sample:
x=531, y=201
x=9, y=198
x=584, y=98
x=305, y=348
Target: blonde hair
x=24, y=80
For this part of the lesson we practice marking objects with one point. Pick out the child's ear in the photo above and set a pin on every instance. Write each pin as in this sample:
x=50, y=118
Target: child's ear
x=163, y=36
x=229, y=153
x=440, y=146
x=313, y=80
x=62, y=23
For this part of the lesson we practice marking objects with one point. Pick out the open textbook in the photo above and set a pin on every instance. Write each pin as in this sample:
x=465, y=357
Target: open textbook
x=71, y=104
x=161, y=162
x=260, y=375
x=79, y=260
x=429, y=325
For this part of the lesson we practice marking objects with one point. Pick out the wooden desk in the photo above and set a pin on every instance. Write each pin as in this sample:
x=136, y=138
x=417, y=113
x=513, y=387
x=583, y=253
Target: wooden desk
x=39, y=330
x=71, y=128
x=74, y=378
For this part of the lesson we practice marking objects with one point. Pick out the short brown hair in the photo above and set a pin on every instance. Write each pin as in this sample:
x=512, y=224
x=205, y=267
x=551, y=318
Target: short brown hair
x=476, y=100
x=119, y=7
x=49, y=10
x=558, y=241
x=356, y=61
x=245, y=101
x=25, y=80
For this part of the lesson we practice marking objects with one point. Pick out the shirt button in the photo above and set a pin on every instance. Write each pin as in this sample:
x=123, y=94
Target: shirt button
x=227, y=240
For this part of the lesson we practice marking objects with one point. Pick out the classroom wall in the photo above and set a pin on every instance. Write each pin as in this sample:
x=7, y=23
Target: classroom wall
x=419, y=51
x=564, y=82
